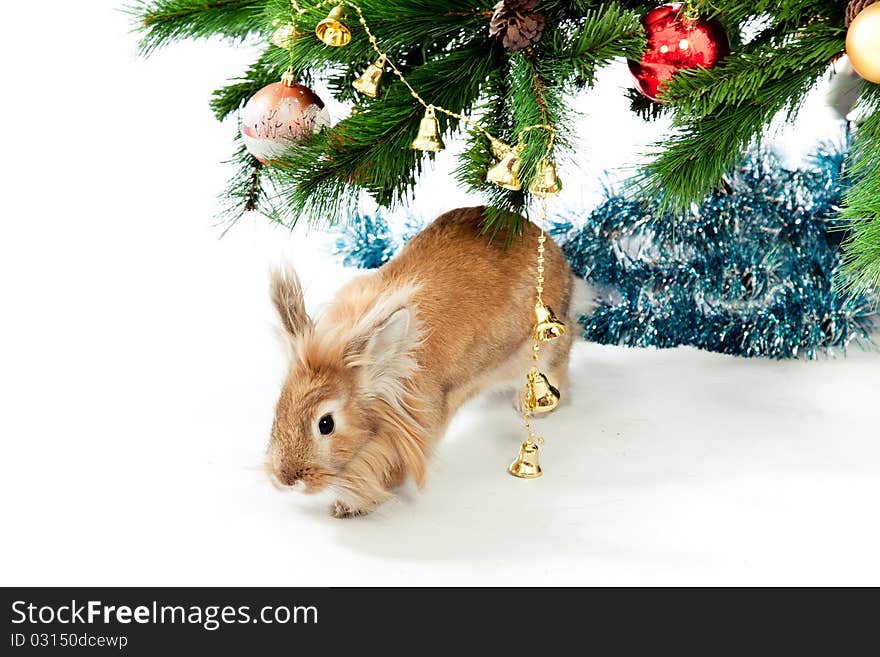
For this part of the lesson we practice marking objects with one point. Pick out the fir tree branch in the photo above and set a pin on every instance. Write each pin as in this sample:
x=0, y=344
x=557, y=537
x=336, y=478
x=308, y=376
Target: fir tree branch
x=497, y=117
x=861, y=210
x=245, y=191
x=786, y=16
x=644, y=107
x=321, y=178
x=605, y=33
x=744, y=73
x=715, y=127
x=166, y=21
x=534, y=100
x=411, y=33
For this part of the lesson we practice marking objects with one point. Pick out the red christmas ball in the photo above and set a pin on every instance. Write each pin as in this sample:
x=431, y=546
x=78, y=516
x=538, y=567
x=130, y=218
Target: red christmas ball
x=280, y=114
x=676, y=42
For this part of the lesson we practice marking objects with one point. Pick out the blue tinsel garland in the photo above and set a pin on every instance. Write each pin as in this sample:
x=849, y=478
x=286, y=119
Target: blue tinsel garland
x=749, y=272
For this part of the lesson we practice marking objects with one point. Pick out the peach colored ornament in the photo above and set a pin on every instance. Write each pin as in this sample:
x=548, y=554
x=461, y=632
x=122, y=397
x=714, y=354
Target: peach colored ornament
x=278, y=115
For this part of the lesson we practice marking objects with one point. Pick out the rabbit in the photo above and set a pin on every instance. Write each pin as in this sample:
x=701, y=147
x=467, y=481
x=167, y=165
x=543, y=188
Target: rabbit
x=373, y=383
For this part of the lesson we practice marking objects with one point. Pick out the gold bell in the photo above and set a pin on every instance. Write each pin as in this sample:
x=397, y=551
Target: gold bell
x=333, y=31
x=499, y=148
x=505, y=172
x=284, y=36
x=526, y=464
x=368, y=83
x=547, y=327
x=545, y=183
x=541, y=397
x=429, y=139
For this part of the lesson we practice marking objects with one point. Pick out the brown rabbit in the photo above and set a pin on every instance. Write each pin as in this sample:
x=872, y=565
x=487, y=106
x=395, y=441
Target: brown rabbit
x=374, y=382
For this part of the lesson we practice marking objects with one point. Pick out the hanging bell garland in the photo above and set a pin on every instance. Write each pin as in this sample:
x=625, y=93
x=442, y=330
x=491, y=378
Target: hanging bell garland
x=333, y=31
x=526, y=465
x=368, y=82
x=541, y=397
x=547, y=326
x=545, y=183
x=428, y=138
x=505, y=172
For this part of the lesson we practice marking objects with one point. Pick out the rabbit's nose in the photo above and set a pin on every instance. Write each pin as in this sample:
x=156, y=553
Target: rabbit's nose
x=292, y=478
x=288, y=476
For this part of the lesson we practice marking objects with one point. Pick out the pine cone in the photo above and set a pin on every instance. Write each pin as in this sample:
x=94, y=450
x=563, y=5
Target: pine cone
x=517, y=23
x=854, y=8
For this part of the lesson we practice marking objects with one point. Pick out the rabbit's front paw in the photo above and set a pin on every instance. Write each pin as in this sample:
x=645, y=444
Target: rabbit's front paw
x=342, y=510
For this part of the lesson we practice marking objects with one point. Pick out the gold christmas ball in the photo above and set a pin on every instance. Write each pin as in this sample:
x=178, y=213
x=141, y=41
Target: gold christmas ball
x=863, y=43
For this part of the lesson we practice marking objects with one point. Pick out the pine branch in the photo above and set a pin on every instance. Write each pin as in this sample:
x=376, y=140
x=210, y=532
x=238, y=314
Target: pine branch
x=166, y=21
x=786, y=16
x=497, y=117
x=717, y=125
x=321, y=178
x=604, y=34
x=745, y=73
x=535, y=99
x=861, y=209
x=411, y=32
x=245, y=191
x=645, y=108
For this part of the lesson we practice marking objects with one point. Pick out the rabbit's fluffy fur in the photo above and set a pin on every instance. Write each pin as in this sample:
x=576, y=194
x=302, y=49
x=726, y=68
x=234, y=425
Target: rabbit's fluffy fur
x=400, y=349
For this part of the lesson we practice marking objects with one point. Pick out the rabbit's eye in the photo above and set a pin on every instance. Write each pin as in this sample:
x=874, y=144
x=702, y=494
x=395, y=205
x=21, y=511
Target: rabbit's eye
x=326, y=424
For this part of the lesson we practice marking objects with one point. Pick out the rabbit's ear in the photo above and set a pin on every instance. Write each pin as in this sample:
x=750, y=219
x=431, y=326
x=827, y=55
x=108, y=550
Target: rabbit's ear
x=384, y=345
x=287, y=296
x=391, y=338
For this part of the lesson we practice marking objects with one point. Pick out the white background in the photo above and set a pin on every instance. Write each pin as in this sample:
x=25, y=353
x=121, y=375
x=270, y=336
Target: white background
x=138, y=374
